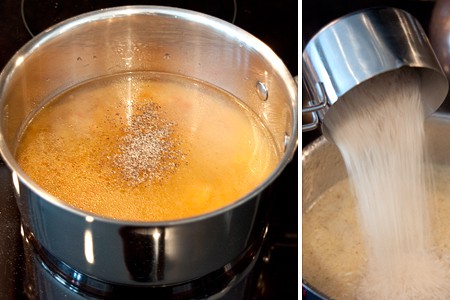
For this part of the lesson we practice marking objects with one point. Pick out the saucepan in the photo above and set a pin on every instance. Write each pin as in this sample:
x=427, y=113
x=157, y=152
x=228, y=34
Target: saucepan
x=145, y=254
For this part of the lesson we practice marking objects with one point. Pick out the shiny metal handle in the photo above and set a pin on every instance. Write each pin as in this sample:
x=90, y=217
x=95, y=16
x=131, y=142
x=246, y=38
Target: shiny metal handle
x=313, y=125
x=313, y=107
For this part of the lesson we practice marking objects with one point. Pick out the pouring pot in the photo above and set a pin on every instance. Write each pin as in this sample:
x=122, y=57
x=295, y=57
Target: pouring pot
x=101, y=255
x=362, y=45
x=323, y=166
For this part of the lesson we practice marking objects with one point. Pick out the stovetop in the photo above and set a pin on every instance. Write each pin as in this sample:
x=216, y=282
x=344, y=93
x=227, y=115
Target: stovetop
x=274, y=22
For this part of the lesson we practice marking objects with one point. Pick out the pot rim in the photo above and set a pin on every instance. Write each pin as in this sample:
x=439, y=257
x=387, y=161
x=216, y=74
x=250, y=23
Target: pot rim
x=165, y=11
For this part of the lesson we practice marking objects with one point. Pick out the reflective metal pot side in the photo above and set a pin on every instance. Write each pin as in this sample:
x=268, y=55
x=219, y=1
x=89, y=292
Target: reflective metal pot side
x=85, y=47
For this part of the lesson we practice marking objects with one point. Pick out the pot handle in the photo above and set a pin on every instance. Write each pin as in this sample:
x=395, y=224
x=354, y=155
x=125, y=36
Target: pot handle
x=314, y=106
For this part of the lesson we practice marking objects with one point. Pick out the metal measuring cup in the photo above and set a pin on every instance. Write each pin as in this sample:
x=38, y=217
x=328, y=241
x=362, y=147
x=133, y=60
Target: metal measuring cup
x=360, y=46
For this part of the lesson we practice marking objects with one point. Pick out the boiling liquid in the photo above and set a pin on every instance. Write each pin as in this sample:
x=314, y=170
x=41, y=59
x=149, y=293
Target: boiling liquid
x=146, y=147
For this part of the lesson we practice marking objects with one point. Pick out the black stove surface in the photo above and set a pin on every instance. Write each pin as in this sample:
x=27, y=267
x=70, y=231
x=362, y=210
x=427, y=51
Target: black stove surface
x=274, y=22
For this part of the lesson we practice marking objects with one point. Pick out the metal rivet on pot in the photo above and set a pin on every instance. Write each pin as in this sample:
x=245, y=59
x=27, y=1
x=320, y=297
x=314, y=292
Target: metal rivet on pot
x=262, y=90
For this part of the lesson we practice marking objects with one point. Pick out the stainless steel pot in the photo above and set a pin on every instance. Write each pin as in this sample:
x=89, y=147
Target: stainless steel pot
x=323, y=166
x=96, y=252
x=360, y=46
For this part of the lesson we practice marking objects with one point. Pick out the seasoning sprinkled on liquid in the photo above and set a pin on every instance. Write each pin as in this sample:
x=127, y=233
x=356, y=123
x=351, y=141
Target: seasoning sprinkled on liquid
x=149, y=149
x=157, y=147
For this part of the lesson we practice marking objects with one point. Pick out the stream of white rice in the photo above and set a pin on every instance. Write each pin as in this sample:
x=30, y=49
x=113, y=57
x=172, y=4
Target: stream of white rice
x=379, y=129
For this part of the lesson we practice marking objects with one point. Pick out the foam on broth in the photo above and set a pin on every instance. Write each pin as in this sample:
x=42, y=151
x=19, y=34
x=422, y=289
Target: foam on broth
x=146, y=147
